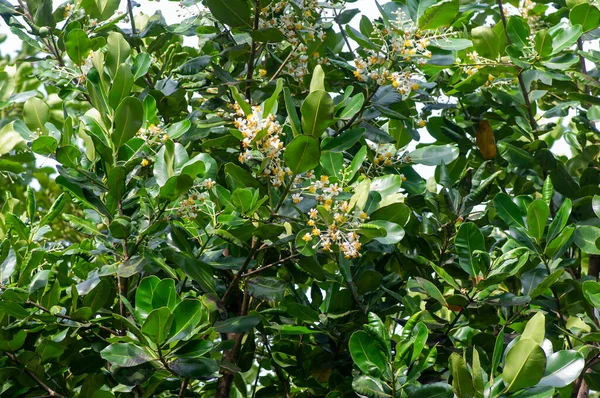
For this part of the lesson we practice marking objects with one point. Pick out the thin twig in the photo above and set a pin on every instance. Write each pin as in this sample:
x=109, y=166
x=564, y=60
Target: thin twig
x=519, y=76
x=46, y=310
x=183, y=388
x=586, y=88
x=250, y=74
x=342, y=31
x=39, y=381
x=261, y=269
x=284, y=63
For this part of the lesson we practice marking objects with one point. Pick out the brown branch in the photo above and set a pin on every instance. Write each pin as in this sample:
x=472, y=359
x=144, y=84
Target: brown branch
x=519, y=77
x=183, y=388
x=586, y=88
x=250, y=74
x=239, y=274
x=39, y=381
x=342, y=31
x=261, y=269
x=284, y=63
x=61, y=316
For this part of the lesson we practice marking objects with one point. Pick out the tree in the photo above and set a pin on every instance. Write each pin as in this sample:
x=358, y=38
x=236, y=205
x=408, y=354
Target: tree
x=258, y=216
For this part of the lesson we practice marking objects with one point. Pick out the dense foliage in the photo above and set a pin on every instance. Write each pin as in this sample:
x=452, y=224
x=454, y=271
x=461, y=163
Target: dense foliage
x=253, y=216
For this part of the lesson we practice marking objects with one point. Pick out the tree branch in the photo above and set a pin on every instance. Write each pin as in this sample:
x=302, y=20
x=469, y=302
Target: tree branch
x=39, y=381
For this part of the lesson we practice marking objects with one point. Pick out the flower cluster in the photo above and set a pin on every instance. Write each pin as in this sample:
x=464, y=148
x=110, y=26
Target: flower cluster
x=152, y=134
x=335, y=225
x=196, y=202
x=260, y=142
x=299, y=28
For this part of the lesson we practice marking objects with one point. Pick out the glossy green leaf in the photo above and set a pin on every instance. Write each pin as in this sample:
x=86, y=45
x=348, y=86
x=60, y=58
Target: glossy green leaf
x=317, y=113
x=468, y=239
x=525, y=364
x=302, y=154
x=128, y=120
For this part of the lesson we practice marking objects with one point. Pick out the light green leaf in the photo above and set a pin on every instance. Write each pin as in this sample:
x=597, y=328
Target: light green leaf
x=562, y=368
x=434, y=155
x=441, y=14
x=525, y=364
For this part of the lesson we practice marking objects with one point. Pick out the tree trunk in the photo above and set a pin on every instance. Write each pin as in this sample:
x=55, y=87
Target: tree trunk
x=581, y=389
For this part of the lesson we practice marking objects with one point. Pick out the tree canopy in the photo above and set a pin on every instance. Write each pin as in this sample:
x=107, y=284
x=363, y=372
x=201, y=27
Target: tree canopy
x=289, y=199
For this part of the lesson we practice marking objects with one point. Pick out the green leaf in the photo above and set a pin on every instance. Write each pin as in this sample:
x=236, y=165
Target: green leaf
x=302, y=154
x=434, y=155
x=125, y=355
x=586, y=237
x=78, y=46
x=36, y=114
x=235, y=13
x=368, y=354
x=537, y=217
x=9, y=138
x=8, y=266
x=432, y=291
x=194, y=65
x=461, y=379
x=560, y=220
x=317, y=113
x=440, y=14
x=270, y=106
x=535, y=329
x=586, y=15
x=354, y=106
x=143, y=296
x=55, y=209
x=141, y=65
x=452, y=44
x=265, y=35
x=117, y=53
x=244, y=105
x=468, y=239
x=186, y=316
x=291, y=111
x=591, y=291
x=121, y=87
x=432, y=390
x=508, y=211
x=101, y=9
x=165, y=295
x=371, y=387
x=546, y=283
x=562, y=368
x=195, y=368
x=565, y=37
x=525, y=364
x=543, y=43
x=317, y=82
x=44, y=145
x=518, y=31
x=128, y=120
x=266, y=288
x=240, y=324
x=175, y=187
x=158, y=324
x=343, y=141
x=485, y=41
